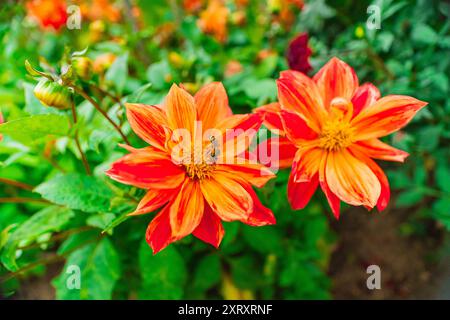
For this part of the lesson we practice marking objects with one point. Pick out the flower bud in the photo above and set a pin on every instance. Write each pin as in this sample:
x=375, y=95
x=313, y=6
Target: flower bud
x=53, y=94
x=82, y=67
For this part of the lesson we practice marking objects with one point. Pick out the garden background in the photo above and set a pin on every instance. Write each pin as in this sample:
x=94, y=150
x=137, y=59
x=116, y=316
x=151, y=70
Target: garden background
x=53, y=215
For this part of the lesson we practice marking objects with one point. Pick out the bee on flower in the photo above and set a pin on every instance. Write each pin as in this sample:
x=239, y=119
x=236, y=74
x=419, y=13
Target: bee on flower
x=199, y=180
x=335, y=125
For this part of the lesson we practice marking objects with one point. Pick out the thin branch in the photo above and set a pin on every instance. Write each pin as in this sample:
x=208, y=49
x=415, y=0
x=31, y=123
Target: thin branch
x=99, y=109
x=22, y=200
x=77, y=142
x=18, y=184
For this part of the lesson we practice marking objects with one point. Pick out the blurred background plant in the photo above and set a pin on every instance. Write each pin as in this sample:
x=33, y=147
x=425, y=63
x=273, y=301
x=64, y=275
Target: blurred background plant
x=55, y=202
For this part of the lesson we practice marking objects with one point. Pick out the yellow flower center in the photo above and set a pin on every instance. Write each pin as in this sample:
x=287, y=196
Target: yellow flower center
x=202, y=161
x=336, y=135
x=199, y=171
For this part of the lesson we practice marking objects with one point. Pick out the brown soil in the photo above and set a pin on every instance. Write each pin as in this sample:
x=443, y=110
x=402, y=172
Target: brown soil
x=407, y=263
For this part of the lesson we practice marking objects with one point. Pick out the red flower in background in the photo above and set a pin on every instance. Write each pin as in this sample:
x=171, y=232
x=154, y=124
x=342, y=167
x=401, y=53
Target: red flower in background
x=200, y=189
x=298, y=54
x=2, y=120
x=49, y=13
x=335, y=125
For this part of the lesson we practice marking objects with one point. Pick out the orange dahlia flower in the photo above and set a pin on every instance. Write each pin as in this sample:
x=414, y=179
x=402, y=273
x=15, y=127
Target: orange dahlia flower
x=201, y=185
x=213, y=20
x=48, y=13
x=335, y=125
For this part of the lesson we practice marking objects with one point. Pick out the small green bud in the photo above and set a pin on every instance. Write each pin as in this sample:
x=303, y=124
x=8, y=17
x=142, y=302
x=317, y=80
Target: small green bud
x=53, y=94
x=82, y=67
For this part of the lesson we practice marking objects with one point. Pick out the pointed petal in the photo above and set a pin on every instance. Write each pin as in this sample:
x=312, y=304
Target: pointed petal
x=336, y=79
x=271, y=116
x=351, y=179
x=296, y=128
x=180, y=109
x=365, y=96
x=159, y=234
x=260, y=216
x=377, y=149
x=387, y=115
x=212, y=104
x=278, y=152
x=147, y=168
x=385, y=193
x=298, y=93
x=299, y=193
x=210, y=229
x=226, y=196
x=254, y=173
x=154, y=199
x=148, y=123
x=306, y=164
x=186, y=210
x=333, y=200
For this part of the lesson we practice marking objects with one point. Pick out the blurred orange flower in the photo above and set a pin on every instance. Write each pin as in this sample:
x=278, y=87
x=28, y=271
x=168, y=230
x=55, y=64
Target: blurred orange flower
x=335, y=124
x=103, y=62
x=99, y=10
x=48, y=13
x=213, y=20
x=197, y=189
x=192, y=5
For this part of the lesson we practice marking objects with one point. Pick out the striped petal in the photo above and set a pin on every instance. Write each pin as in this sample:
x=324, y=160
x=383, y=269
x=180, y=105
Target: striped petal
x=212, y=104
x=271, y=116
x=186, y=210
x=333, y=200
x=299, y=193
x=374, y=148
x=210, y=229
x=227, y=198
x=153, y=200
x=351, y=179
x=306, y=164
x=365, y=96
x=254, y=173
x=336, y=79
x=180, y=109
x=298, y=93
x=387, y=115
x=149, y=123
x=147, y=168
x=159, y=233
x=260, y=216
x=296, y=129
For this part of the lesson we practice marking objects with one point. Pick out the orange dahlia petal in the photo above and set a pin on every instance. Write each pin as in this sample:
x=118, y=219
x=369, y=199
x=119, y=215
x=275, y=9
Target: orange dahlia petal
x=336, y=79
x=180, y=109
x=212, y=104
x=210, y=229
x=186, y=210
x=255, y=173
x=333, y=200
x=271, y=116
x=226, y=196
x=298, y=93
x=299, y=193
x=296, y=128
x=149, y=123
x=374, y=148
x=306, y=164
x=154, y=199
x=351, y=179
x=385, y=194
x=387, y=115
x=365, y=96
x=159, y=233
x=147, y=168
x=260, y=216
x=286, y=152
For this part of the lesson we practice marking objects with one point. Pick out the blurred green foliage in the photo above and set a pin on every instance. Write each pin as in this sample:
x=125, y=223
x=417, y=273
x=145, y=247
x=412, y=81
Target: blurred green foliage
x=408, y=55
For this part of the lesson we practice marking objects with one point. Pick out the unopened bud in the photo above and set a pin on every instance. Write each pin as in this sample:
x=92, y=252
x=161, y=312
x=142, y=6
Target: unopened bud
x=82, y=67
x=53, y=94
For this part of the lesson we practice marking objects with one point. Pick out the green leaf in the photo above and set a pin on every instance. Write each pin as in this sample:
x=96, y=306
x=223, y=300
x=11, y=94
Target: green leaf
x=208, y=273
x=78, y=192
x=409, y=198
x=38, y=128
x=163, y=275
x=101, y=220
x=99, y=267
x=157, y=72
x=50, y=219
x=118, y=72
x=264, y=240
x=442, y=176
x=441, y=211
x=424, y=34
